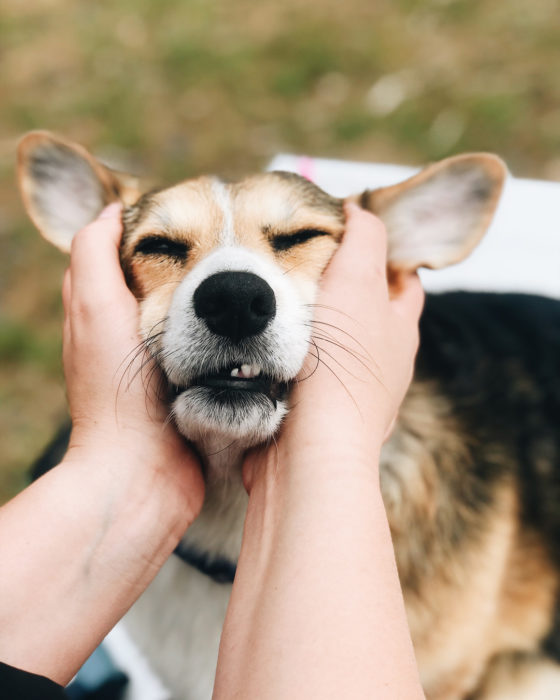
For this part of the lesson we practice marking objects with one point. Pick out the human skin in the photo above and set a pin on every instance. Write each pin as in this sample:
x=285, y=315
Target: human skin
x=81, y=544
x=316, y=609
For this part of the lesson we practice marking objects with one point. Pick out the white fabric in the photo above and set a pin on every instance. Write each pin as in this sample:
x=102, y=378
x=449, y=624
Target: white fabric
x=143, y=684
x=520, y=252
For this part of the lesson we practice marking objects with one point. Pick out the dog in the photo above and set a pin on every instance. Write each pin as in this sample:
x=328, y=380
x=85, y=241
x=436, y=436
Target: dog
x=226, y=276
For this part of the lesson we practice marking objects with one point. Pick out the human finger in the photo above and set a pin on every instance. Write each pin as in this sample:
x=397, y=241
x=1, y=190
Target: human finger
x=365, y=222
x=410, y=300
x=362, y=255
x=94, y=260
x=66, y=291
x=368, y=230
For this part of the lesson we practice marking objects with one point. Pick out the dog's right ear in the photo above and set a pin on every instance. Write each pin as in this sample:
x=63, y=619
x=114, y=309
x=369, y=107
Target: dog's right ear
x=438, y=216
x=64, y=187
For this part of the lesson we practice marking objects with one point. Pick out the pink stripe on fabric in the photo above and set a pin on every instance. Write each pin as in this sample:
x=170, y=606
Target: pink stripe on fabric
x=306, y=167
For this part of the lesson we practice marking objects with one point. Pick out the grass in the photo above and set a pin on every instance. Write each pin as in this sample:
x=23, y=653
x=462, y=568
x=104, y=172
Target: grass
x=178, y=87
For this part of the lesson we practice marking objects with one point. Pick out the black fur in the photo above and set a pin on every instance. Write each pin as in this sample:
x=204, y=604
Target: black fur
x=497, y=358
x=53, y=452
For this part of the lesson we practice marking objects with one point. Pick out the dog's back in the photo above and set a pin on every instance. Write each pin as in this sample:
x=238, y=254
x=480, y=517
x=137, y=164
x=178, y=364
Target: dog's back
x=472, y=485
x=497, y=357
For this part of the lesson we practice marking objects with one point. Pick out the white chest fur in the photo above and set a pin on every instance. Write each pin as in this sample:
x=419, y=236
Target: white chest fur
x=177, y=624
x=178, y=621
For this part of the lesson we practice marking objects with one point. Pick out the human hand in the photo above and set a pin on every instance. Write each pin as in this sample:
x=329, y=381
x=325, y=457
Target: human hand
x=316, y=543
x=362, y=354
x=112, y=383
x=97, y=528
x=365, y=339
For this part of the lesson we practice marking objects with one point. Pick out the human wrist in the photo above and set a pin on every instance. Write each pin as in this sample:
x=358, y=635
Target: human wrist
x=140, y=480
x=350, y=443
x=292, y=482
x=105, y=525
x=303, y=523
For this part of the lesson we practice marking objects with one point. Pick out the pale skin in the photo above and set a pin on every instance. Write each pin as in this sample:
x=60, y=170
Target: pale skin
x=82, y=543
x=316, y=609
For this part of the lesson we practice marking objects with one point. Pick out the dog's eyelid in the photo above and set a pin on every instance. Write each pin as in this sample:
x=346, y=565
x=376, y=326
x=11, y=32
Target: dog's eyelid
x=284, y=241
x=161, y=245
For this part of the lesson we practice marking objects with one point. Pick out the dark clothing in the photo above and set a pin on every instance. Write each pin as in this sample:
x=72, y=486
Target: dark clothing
x=16, y=684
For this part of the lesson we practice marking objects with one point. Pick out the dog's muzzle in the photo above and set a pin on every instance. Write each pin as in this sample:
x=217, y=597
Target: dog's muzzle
x=226, y=384
x=234, y=341
x=235, y=305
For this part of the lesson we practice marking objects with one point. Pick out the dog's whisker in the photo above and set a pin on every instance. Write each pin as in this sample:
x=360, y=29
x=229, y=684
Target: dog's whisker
x=302, y=379
x=277, y=460
x=326, y=307
x=345, y=368
x=286, y=272
x=315, y=322
x=223, y=449
x=342, y=384
x=329, y=337
x=352, y=354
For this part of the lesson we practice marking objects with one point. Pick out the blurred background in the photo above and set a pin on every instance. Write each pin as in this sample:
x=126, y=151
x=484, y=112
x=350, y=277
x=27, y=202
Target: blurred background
x=175, y=88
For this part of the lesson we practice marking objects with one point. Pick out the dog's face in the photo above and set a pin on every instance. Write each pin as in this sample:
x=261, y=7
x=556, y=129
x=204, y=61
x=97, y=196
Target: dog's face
x=226, y=274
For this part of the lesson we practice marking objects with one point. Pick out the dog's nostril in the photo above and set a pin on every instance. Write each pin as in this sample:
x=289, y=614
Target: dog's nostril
x=235, y=304
x=263, y=305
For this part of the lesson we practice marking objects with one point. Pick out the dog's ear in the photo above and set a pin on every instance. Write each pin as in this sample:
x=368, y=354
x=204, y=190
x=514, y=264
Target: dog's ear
x=64, y=187
x=437, y=217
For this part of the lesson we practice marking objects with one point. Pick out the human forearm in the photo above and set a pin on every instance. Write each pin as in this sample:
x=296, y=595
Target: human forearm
x=91, y=535
x=81, y=544
x=316, y=609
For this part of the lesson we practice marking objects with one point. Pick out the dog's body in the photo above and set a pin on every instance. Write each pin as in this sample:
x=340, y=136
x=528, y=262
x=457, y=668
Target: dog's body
x=468, y=476
x=472, y=496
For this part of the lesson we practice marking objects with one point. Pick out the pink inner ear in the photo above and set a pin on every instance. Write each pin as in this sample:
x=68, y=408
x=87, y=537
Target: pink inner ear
x=61, y=189
x=439, y=221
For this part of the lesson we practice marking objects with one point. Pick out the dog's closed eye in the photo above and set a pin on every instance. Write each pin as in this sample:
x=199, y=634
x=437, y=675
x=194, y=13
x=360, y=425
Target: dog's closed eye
x=162, y=246
x=284, y=241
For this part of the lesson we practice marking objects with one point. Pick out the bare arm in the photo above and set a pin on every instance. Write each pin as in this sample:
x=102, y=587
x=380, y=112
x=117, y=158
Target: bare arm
x=316, y=609
x=82, y=543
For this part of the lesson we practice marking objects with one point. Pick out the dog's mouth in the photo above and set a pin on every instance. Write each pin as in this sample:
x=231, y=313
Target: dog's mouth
x=225, y=383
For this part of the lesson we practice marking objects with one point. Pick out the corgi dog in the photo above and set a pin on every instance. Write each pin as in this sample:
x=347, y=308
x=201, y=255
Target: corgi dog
x=226, y=276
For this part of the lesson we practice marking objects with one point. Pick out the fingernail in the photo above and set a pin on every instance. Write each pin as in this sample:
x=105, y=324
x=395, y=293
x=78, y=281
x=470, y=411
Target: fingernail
x=110, y=211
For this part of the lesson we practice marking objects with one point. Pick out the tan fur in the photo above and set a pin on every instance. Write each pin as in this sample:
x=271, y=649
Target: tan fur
x=457, y=629
x=529, y=591
x=476, y=586
x=256, y=210
x=189, y=213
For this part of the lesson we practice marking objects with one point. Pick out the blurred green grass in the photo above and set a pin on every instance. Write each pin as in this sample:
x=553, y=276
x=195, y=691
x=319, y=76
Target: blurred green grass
x=172, y=88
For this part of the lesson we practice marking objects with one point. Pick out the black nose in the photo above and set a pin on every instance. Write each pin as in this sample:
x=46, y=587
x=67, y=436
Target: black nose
x=235, y=304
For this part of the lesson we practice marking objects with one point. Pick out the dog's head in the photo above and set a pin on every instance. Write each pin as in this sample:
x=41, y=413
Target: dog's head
x=226, y=274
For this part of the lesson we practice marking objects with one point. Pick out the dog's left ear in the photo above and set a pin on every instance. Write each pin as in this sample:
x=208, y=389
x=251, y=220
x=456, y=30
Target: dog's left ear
x=64, y=187
x=437, y=217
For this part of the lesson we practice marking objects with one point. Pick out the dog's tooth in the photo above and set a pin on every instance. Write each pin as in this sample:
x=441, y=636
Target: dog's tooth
x=246, y=371
x=256, y=370
x=235, y=372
